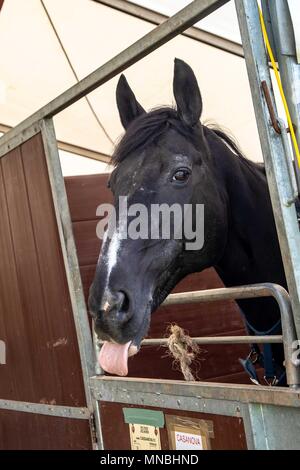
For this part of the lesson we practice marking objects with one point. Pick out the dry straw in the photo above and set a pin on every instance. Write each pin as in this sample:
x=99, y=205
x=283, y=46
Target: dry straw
x=183, y=349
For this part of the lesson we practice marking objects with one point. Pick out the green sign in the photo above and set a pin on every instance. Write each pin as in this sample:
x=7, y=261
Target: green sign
x=142, y=416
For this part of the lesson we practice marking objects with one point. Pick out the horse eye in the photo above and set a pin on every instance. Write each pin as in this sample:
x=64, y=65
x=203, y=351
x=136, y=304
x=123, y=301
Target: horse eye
x=181, y=175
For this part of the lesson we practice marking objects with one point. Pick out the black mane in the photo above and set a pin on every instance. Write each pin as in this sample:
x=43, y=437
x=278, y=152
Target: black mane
x=229, y=141
x=148, y=127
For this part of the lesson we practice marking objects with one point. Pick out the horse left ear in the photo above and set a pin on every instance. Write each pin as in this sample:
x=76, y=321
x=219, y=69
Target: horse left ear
x=128, y=106
x=187, y=94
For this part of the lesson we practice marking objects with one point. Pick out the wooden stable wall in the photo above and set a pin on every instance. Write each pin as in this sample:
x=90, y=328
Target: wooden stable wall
x=229, y=432
x=215, y=363
x=36, y=320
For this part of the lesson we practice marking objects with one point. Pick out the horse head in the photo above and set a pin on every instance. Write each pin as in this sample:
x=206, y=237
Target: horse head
x=165, y=176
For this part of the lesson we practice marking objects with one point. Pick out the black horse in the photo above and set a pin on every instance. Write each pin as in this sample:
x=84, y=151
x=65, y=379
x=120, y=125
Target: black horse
x=168, y=156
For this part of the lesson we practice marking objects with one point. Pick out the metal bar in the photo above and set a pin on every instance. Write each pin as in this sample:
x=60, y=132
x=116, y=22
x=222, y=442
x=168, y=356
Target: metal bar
x=211, y=340
x=289, y=159
x=273, y=151
x=64, y=225
x=96, y=345
x=43, y=409
x=282, y=298
x=246, y=292
x=186, y=17
x=156, y=18
x=283, y=34
x=157, y=392
x=17, y=138
x=226, y=293
x=219, y=340
x=72, y=148
x=68, y=248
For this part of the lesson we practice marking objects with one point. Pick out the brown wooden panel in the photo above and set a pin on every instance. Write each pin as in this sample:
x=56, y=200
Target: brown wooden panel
x=63, y=341
x=27, y=431
x=228, y=430
x=85, y=193
x=87, y=244
x=42, y=354
x=12, y=323
x=87, y=276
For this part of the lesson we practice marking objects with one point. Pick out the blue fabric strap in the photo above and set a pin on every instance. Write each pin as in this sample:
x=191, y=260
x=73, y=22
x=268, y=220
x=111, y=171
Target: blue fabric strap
x=250, y=369
x=268, y=362
x=265, y=359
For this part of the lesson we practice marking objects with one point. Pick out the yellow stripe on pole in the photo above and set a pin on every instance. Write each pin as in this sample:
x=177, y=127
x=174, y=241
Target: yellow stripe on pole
x=286, y=108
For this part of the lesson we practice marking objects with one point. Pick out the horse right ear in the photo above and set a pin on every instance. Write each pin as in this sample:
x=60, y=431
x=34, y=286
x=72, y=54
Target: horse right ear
x=187, y=94
x=128, y=106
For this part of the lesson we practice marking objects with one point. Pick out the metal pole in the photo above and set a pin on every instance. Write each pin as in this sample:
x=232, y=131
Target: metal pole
x=283, y=35
x=276, y=165
x=219, y=340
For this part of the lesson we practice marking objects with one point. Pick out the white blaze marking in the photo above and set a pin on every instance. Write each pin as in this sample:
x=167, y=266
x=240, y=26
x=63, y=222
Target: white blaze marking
x=112, y=253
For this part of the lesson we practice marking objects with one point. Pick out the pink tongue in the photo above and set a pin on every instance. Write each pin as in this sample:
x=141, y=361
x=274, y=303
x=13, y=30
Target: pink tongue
x=113, y=358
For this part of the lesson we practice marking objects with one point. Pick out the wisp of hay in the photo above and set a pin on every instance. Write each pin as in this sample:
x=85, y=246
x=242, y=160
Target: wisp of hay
x=183, y=349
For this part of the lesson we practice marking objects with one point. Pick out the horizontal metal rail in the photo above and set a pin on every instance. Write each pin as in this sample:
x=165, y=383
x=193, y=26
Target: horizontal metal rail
x=282, y=298
x=192, y=396
x=175, y=25
x=254, y=291
x=45, y=409
x=67, y=147
x=219, y=340
x=232, y=293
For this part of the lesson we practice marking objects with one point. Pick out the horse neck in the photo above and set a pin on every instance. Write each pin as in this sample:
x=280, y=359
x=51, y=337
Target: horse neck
x=252, y=251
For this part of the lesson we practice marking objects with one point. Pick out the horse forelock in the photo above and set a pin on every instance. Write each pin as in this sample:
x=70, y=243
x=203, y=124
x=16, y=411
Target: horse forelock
x=146, y=129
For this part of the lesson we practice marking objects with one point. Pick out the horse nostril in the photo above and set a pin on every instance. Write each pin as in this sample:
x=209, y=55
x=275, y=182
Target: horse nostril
x=123, y=302
x=122, y=305
x=116, y=307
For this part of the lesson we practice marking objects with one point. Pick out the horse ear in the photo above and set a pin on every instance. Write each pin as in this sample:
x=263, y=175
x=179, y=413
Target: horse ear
x=187, y=94
x=128, y=106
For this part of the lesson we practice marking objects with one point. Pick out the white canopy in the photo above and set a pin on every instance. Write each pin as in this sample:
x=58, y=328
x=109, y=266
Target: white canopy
x=45, y=41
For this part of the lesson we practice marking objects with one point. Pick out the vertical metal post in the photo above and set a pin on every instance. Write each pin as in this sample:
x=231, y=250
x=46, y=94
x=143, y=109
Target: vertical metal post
x=285, y=49
x=274, y=156
x=64, y=226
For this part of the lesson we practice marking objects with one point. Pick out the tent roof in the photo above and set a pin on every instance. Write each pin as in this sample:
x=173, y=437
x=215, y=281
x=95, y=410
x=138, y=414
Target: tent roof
x=222, y=22
x=50, y=44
